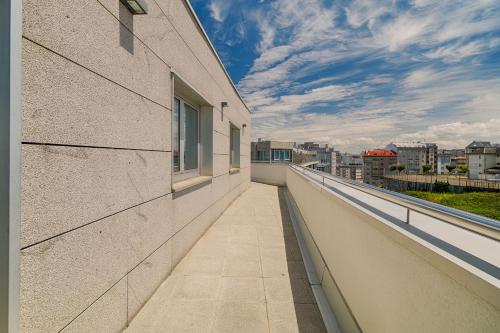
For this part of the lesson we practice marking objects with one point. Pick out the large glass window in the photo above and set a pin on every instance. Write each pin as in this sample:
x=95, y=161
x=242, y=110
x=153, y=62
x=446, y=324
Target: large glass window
x=281, y=155
x=234, y=147
x=263, y=155
x=185, y=139
x=191, y=138
x=176, y=135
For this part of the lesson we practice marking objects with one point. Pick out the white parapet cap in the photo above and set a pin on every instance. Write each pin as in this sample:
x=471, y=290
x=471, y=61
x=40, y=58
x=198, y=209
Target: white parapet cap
x=214, y=51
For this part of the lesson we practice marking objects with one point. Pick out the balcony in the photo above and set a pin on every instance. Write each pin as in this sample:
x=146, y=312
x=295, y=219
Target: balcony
x=246, y=274
x=313, y=253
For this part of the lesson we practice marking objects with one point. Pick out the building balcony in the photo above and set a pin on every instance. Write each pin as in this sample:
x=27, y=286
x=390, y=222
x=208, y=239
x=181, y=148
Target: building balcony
x=314, y=253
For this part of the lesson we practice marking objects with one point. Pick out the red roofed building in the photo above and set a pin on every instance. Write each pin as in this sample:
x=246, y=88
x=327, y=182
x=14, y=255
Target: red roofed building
x=375, y=164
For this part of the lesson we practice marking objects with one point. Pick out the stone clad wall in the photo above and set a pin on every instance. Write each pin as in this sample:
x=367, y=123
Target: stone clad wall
x=100, y=227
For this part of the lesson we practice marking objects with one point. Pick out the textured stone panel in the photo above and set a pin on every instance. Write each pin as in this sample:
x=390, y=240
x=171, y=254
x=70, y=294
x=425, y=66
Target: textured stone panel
x=66, y=187
x=65, y=103
x=107, y=314
x=221, y=144
x=158, y=33
x=86, y=33
x=147, y=277
x=61, y=277
x=184, y=240
x=220, y=186
x=152, y=228
x=221, y=164
x=190, y=205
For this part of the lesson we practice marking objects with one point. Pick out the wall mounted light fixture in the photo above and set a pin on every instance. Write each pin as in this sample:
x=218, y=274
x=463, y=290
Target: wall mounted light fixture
x=222, y=106
x=136, y=7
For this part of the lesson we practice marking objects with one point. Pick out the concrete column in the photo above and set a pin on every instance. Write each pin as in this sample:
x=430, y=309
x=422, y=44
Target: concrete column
x=10, y=171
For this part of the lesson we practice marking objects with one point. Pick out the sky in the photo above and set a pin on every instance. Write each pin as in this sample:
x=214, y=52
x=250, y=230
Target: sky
x=361, y=74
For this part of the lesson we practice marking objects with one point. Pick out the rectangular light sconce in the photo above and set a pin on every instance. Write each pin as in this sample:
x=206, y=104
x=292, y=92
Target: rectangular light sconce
x=136, y=7
x=222, y=106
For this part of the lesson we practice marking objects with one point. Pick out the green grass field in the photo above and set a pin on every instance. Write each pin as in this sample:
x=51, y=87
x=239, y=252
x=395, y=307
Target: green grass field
x=481, y=203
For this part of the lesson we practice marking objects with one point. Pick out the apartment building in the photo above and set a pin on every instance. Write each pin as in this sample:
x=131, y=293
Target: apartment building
x=351, y=171
x=414, y=155
x=376, y=163
x=324, y=155
x=134, y=140
x=446, y=157
x=483, y=160
x=272, y=151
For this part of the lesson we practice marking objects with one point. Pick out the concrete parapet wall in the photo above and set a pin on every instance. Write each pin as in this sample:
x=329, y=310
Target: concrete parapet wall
x=269, y=173
x=378, y=279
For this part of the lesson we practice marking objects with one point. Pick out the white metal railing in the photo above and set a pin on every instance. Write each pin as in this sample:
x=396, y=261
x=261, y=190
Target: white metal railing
x=408, y=202
x=471, y=238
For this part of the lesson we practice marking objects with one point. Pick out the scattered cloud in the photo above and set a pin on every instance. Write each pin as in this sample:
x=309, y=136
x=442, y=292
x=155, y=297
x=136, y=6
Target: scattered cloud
x=218, y=10
x=361, y=73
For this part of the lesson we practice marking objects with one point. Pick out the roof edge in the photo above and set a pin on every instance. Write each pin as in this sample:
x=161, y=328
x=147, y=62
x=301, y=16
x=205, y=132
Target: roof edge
x=205, y=35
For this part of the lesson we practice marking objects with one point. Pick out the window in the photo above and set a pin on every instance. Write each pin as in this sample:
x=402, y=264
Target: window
x=234, y=147
x=263, y=155
x=276, y=155
x=281, y=155
x=185, y=139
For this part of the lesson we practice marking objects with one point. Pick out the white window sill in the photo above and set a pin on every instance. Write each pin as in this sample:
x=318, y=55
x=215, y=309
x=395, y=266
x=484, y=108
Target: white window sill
x=234, y=170
x=191, y=182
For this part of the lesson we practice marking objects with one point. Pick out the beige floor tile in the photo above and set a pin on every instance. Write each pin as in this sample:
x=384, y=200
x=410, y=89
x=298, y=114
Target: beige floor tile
x=197, y=288
x=241, y=268
x=282, y=318
x=296, y=269
x=309, y=318
x=219, y=285
x=194, y=265
x=243, y=252
x=288, y=290
x=294, y=318
x=274, y=267
x=242, y=289
x=181, y=317
x=236, y=317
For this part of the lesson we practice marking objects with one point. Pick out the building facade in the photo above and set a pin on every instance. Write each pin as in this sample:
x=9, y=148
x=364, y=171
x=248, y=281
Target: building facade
x=351, y=171
x=272, y=151
x=134, y=140
x=414, y=155
x=376, y=163
x=483, y=159
x=449, y=157
x=324, y=155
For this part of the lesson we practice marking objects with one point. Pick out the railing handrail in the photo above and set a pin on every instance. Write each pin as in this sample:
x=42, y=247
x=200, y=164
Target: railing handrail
x=466, y=217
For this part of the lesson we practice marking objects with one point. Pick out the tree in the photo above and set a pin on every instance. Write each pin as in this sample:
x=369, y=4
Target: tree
x=464, y=169
x=393, y=167
x=450, y=168
x=426, y=168
x=400, y=167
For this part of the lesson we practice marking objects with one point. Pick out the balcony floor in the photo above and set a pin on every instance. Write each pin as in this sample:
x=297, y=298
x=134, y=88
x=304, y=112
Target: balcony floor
x=245, y=274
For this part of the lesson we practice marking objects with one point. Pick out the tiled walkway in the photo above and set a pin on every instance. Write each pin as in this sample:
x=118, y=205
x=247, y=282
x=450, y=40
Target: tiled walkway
x=244, y=275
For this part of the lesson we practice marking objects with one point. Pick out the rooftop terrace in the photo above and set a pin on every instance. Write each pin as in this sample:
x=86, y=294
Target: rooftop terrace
x=246, y=274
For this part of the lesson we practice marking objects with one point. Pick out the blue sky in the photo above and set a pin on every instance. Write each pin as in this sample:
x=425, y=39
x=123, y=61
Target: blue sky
x=360, y=74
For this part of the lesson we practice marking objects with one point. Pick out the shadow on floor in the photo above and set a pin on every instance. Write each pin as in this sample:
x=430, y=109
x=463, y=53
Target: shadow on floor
x=306, y=310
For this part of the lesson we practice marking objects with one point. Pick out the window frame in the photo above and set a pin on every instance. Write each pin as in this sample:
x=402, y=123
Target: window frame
x=182, y=173
x=234, y=164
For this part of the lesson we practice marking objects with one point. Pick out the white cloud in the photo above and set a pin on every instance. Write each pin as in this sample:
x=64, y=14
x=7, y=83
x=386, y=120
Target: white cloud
x=218, y=10
x=456, y=134
x=432, y=42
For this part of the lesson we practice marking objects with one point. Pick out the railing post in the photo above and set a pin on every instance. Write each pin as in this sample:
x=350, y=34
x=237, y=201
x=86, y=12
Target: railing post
x=323, y=181
x=407, y=215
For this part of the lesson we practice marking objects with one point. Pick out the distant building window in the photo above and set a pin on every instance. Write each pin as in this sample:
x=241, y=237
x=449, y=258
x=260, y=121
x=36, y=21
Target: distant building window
x=281, y=155
x=263, y=155
x=234, y=146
